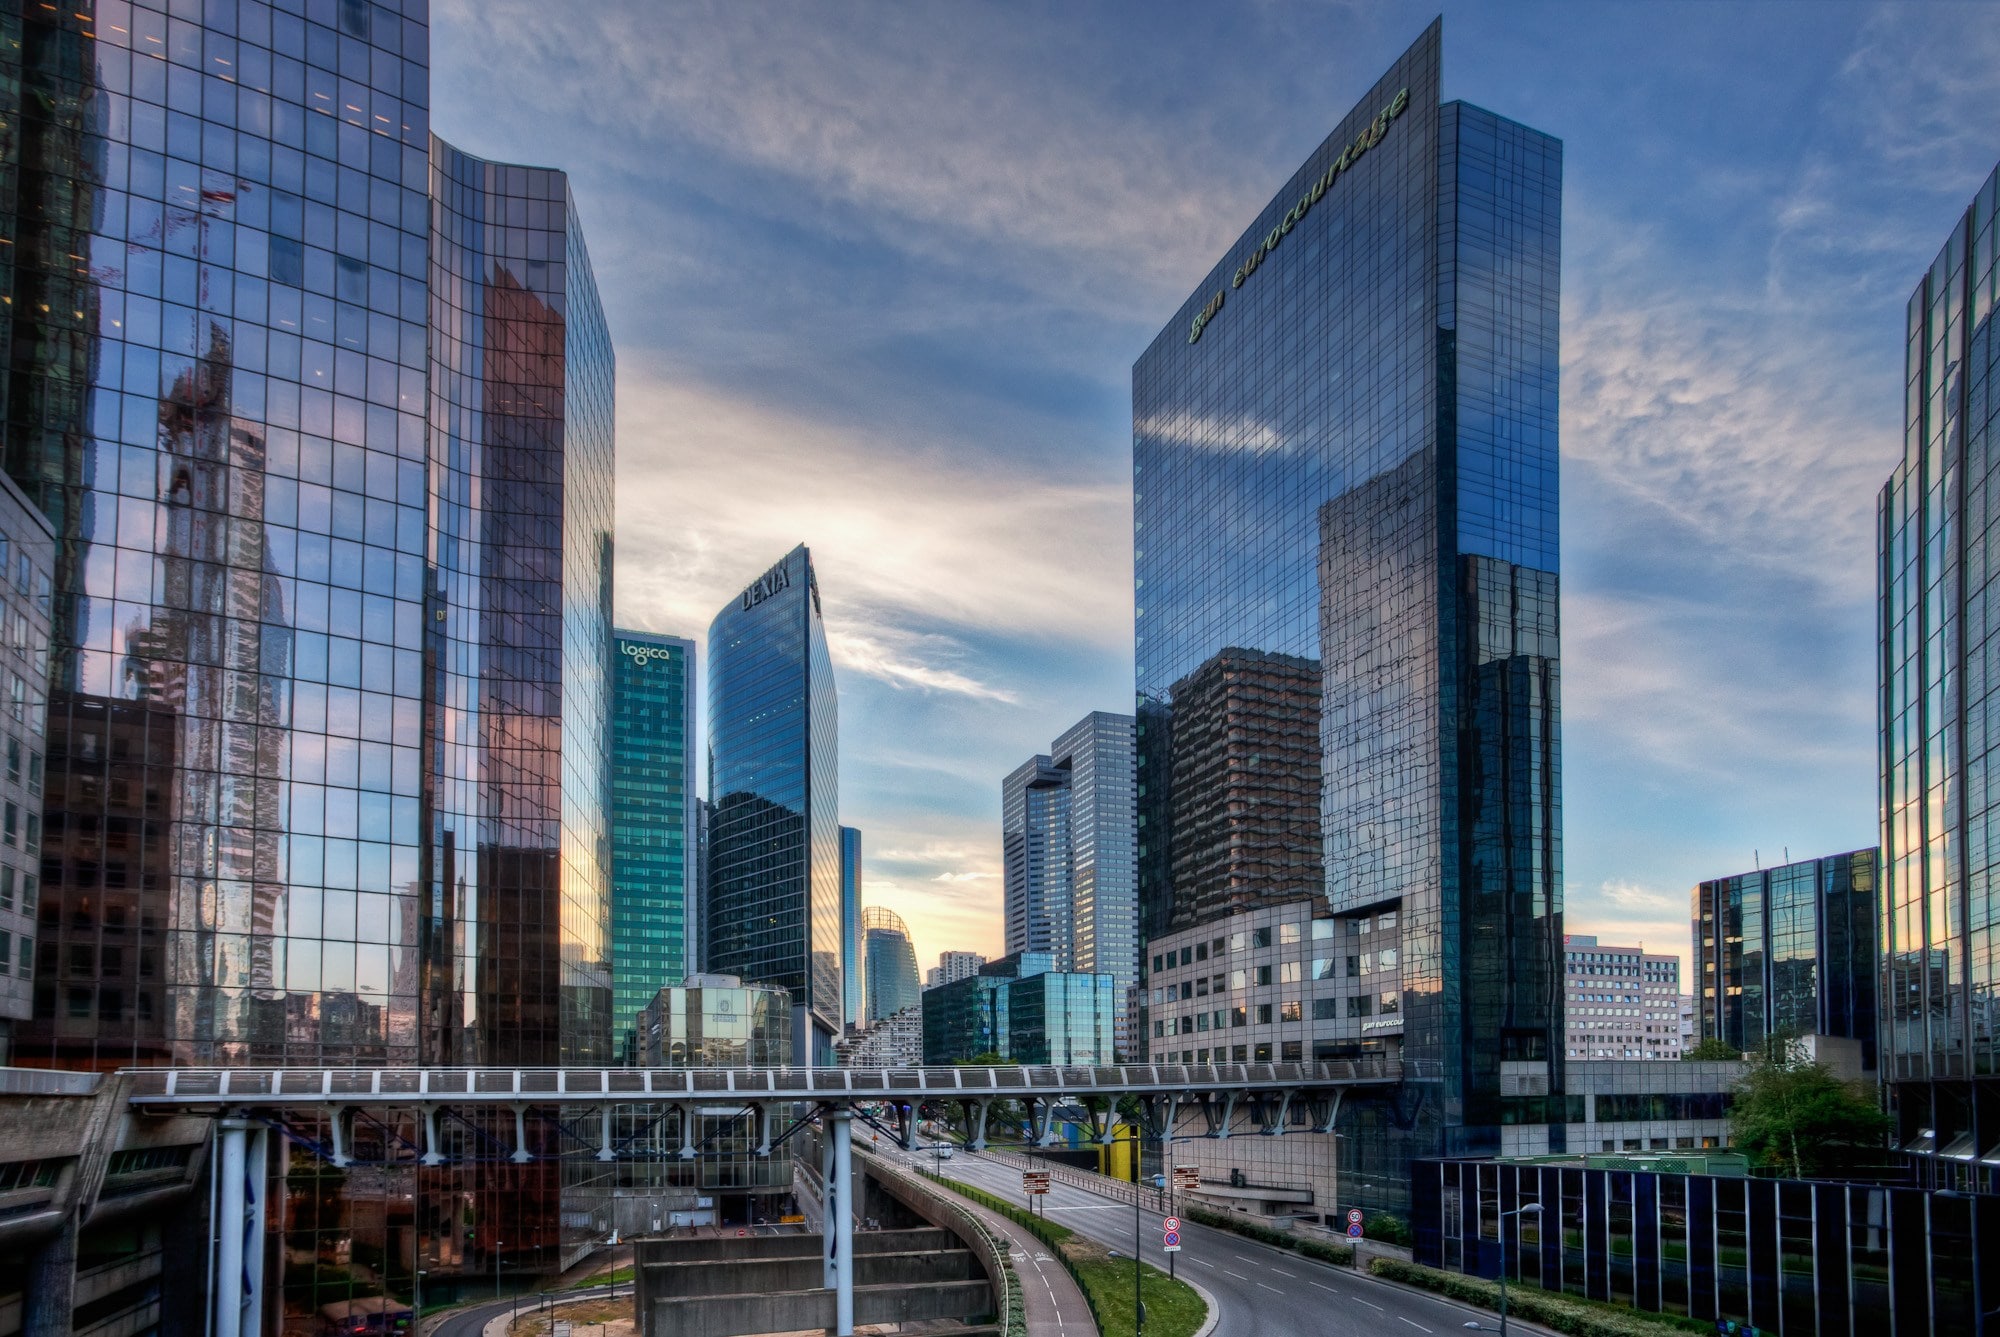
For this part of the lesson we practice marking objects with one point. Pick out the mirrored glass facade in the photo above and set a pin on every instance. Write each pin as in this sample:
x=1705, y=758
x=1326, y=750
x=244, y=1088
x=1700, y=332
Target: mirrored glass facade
x=321, y=411
x=1940, y=711
x=774, y=847
x=653, y=847
x=1789, y=952
x=853, y=988
x=891, y=963
x=1344, y=468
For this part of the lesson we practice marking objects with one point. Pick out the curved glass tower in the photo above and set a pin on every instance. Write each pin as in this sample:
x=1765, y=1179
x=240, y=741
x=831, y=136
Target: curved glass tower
x=774, y=847
x=892, y=963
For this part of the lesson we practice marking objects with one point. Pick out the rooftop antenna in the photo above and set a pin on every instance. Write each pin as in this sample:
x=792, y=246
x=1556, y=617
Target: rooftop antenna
x=1757, y=859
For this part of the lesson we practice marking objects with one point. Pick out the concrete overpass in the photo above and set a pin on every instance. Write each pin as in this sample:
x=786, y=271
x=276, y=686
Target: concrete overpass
x=248, y=1102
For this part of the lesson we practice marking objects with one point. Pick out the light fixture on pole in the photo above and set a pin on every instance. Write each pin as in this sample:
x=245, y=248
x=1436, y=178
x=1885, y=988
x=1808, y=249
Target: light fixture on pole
x=1526, y=1209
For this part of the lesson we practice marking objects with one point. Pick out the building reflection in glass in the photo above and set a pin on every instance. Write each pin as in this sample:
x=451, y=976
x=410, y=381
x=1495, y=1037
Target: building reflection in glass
x=1344, y=472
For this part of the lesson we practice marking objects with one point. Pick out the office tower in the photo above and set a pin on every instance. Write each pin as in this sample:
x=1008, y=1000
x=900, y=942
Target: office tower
x=890, y=961
x=1619, y=1002
x=1940, y=908
x=1790, y=952
x=654, y=847
x=774, y=846
x=1068, y=848
x=852, y=975
x=953, y=967
x=1024, y=1010
x=27, y=571
x=323, y=422
x=1344, y=491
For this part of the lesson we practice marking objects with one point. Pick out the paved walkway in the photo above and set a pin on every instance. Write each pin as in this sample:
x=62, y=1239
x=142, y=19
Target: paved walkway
x=1050, y=1298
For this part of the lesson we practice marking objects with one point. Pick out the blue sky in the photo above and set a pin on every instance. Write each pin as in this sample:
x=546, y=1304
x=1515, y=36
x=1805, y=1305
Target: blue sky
x=877, y=275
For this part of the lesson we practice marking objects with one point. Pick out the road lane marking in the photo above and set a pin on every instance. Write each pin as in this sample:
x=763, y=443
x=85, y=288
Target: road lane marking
x=1328, y=1289
x=1413, y=1323
x=1238, y=1275
x=1203, y=1261
x=1292, y=1275
x=1377, y=1308
x=1273, y=1289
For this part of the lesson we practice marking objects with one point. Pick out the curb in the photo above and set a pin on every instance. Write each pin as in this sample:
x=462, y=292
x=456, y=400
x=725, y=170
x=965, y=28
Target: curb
x=1214, y=1309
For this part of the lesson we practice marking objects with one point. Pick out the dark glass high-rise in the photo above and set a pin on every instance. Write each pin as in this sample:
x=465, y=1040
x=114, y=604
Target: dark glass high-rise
x=1345, y=550
x=774, y=846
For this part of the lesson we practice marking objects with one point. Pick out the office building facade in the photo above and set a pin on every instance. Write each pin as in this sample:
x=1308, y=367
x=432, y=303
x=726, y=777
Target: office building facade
x=323, y=424
x=890, y=962
x=1068, y=852
x=774, y=898
x=1940, y=903
x=853, y=978
x=952, y=967
x=655, y=879
x=27, y=573
x=1024, y=1010
x=1345, y=545
x=1789, y=952
x=1619, y=1002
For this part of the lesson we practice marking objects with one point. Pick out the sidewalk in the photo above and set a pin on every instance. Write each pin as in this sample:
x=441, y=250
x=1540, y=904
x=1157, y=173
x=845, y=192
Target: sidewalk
x=1050, y=1297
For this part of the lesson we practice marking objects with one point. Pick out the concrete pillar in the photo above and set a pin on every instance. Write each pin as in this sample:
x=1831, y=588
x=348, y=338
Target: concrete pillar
x=978, y=1142
x=238, y=1300
x=843, y=1222
x=521, y=1154
x=604, y=1151
x=51, y=1290
x=431, y=1156
x=340, y=1117
x=257, y=1146
x=763, y=1129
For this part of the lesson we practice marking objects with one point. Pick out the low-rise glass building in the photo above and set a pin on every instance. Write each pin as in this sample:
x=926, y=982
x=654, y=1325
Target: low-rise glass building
x=1024, y=1010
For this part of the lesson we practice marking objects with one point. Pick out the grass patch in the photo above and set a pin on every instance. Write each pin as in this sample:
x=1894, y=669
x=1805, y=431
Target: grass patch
x=1172, y=1307
x=1339, y=1255
x=1564, y=1313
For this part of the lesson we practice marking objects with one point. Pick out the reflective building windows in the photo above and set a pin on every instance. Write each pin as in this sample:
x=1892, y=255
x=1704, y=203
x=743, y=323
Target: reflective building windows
x=773, y=887
x=1347, y=621
x=653, y=890
x=1939, y=542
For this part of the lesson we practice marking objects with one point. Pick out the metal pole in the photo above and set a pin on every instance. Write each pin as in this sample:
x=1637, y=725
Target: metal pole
x=1138, y=1246
x=1503, y=1274
x=1167, y=1168
x=227, y=1298
x=843, y=1169
x=496, y=1269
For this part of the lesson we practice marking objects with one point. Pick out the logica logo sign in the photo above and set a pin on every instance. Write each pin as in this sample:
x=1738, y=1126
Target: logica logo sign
x=1371, y=135
x=642, y=655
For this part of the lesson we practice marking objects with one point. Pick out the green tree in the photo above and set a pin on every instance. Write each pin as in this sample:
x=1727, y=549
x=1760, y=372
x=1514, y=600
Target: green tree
x=1711, y=1050
x=1794, y=1115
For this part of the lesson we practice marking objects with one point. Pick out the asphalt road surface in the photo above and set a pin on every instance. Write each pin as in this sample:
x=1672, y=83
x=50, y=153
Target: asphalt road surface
x=1260, y=1291
x=470, y=1322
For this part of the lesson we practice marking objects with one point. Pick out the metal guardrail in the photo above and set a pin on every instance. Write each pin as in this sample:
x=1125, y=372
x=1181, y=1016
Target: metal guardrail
x=515, y=1086
x=48, y=1082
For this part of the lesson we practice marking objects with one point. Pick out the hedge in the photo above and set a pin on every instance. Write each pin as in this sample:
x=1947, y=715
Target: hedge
x=1337, y=1254
x=1563, y=1313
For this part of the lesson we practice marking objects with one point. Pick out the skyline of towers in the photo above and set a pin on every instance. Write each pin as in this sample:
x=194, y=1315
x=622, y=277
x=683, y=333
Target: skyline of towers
x=1067, y=852
x=1345, y=464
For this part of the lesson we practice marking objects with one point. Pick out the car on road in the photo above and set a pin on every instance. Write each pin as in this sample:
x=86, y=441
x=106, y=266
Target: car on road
x=943, y=1150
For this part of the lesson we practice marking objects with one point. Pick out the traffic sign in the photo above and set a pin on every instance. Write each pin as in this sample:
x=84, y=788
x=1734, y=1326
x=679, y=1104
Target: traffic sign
x=1173, y=1241
x=1187, y=1178
x=1034, y=1181
x=1353, y=1216
x=1173, y=1223
x=1354, y=1232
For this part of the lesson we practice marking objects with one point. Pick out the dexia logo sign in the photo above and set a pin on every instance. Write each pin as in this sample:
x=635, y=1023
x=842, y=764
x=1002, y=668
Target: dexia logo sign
x=642, y=655
x=1371, y=135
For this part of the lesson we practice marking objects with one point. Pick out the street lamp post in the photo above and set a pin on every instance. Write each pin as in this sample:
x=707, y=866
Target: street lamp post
x=1527, y=1209
x=497, y=1246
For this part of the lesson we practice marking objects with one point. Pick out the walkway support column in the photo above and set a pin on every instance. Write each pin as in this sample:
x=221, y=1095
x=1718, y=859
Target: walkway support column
x=839, y=1201
x=238, y=1299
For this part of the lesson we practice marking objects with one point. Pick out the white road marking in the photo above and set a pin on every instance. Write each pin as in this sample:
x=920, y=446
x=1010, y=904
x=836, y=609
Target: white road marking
x=1273, y=1289
x=1377, y=1308
x=1413, y=1323
x=1328, y=1289
x=1293, y=1275
x=1238, y=1275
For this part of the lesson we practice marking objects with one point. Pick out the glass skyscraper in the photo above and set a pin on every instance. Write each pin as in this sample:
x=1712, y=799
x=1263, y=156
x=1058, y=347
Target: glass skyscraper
x=1940, y=712
x=891, y=963
x=1789, y=952
x=774, y=844
x=655, y=930
x=1345, y=550
x=853, y=988
x=1068, y=850
x=320, y=409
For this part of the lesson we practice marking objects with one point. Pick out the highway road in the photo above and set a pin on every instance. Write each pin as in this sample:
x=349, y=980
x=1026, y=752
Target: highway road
x=1260, y=1291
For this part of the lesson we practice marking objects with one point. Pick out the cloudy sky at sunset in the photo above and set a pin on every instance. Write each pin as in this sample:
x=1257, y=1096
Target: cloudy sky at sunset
x=877, y=275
